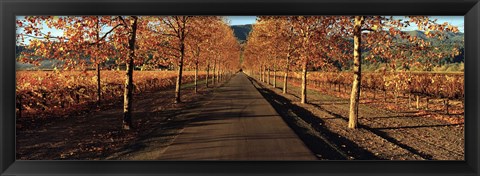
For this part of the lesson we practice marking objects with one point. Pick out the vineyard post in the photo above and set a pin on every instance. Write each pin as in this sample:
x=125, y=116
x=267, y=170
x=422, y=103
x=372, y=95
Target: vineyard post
x=445, y=101
x=409, y=100
x=428, y=101
x=418, y=101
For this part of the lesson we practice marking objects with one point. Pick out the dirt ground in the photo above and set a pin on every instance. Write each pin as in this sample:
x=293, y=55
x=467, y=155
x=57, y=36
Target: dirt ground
x=383, y=134
x=97, y=134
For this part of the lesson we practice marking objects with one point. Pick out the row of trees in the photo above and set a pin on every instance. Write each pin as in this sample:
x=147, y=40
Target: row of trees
x=205, y=42
x=330, y=43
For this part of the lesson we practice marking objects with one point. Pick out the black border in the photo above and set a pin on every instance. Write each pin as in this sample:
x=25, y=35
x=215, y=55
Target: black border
x=9, y=9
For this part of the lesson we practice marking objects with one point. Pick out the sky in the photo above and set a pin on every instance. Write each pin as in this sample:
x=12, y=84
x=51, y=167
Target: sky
x=240, y=20
x=453, y=20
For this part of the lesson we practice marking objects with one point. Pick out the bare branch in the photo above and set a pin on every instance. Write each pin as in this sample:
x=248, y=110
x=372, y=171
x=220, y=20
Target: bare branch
x=105, y=35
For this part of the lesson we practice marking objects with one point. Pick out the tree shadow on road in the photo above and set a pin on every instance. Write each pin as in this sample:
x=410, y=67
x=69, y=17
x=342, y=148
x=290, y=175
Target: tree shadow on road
x=321, y=141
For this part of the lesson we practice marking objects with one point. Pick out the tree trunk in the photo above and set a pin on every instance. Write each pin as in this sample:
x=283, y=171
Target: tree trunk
x=206, y=78
x=180, y=71
x=274, y=77
x=99, y=88
x=218, y=74
x=262, y=73
x=128, y=88
x=357, y=73
x=259, y=74
x=303, y=96
x=213, y=72
x=285, y=84
x=268, y=76
x=196, y=76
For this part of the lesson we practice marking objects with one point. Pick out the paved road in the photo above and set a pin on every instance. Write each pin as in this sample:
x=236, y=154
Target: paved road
x=237, y=124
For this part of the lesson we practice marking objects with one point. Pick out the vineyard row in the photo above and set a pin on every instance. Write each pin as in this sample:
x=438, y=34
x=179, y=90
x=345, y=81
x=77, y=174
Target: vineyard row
x=50, y=92
x=435, y=85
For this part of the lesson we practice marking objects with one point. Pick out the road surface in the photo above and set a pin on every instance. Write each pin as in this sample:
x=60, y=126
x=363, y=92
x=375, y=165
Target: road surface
x=237, y=124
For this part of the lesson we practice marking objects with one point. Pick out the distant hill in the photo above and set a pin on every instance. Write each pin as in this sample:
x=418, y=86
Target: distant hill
x=416, y=33
x=451, y=37
x=241, y=31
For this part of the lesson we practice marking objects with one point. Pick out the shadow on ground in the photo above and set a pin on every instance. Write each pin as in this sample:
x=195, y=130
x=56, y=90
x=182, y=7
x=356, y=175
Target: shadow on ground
x=323, y=142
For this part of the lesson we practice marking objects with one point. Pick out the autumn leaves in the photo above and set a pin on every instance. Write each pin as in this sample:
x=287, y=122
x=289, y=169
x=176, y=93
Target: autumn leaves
x=131, y=42
x=339, y=43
